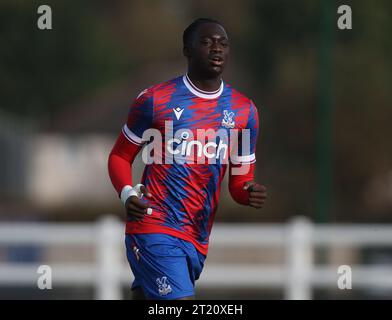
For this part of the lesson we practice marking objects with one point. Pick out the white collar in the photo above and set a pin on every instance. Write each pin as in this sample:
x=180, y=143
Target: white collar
x=201, y=93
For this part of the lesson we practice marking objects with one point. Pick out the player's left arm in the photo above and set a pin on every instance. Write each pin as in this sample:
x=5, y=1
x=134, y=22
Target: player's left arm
x=242, y=185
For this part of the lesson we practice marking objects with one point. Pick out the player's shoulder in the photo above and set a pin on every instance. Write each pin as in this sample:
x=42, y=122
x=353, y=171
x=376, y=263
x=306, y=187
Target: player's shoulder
x=240, y=97
x=158, y=88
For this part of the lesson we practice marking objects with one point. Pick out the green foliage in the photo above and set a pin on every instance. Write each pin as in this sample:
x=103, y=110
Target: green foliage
x=275, y=46
x=44, y=70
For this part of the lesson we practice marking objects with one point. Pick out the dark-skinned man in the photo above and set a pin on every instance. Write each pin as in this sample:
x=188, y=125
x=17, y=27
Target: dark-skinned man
x=201, y=127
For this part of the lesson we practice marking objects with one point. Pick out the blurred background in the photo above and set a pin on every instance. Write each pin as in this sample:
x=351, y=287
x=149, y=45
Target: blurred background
x=325, y=151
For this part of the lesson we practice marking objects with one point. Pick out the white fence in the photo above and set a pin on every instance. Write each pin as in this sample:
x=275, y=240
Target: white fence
x=297, y=275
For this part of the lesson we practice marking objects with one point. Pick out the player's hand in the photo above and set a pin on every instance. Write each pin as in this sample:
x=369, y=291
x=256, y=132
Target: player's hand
x=257, y=194
x=135, y=208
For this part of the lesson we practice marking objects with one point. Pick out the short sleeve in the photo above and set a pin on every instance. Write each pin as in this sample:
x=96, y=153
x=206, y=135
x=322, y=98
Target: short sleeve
x=139, y=117
x=245, y=151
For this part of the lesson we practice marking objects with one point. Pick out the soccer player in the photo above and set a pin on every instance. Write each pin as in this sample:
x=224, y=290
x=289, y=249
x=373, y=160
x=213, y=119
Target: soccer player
x=171, y=212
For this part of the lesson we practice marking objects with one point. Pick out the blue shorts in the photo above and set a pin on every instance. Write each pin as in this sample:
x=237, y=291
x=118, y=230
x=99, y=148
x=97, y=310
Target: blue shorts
x=164, y=266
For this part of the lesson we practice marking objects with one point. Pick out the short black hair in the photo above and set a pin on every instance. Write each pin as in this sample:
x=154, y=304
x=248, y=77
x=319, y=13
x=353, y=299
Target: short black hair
x=190, y=30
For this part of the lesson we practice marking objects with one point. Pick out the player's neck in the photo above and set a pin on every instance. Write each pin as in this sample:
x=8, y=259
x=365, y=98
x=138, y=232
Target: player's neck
x=204, y=84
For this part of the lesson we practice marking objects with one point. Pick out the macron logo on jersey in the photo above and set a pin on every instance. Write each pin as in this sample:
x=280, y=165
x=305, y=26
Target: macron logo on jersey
x=178, y=112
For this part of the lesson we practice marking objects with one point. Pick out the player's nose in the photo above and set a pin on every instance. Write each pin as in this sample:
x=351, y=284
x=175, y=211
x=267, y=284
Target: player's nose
x=216, y=48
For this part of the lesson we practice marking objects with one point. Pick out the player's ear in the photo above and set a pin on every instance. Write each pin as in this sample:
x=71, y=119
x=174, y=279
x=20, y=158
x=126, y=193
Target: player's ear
x=186, y=51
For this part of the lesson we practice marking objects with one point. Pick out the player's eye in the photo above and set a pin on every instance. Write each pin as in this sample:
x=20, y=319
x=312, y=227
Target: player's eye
x=206, y=42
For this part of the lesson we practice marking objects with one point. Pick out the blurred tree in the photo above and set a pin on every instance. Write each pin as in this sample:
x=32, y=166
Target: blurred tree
x=43, y=70
x=96, y=43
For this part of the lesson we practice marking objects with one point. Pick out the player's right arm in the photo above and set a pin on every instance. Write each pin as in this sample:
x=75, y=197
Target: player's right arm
x=124, y=151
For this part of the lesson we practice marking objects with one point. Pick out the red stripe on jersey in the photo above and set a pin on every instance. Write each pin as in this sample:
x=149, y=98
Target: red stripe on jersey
x=133, y=227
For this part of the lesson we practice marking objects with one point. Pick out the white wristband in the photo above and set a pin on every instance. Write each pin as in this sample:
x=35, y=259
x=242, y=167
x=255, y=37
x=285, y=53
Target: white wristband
x=128, y=191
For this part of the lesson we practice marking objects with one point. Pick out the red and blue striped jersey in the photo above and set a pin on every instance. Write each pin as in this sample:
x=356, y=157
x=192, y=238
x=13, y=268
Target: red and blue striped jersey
x=185, y=194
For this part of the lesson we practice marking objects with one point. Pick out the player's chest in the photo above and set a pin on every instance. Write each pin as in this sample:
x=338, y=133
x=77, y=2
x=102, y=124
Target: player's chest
x=199, y=114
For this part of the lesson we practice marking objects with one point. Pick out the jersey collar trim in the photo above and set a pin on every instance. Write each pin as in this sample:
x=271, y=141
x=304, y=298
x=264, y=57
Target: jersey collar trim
x=201, y=93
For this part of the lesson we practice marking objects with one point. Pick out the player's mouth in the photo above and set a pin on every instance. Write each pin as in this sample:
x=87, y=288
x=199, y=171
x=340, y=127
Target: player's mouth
x=216, y=60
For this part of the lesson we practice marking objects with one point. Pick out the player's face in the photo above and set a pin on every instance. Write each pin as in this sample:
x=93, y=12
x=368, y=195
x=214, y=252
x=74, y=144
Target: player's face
x=210, y=49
